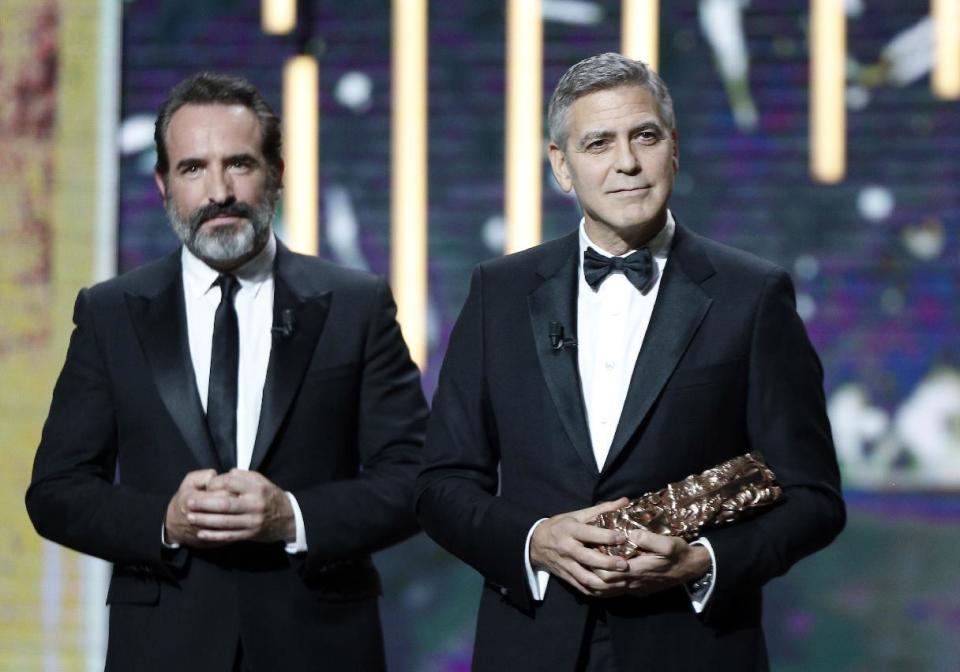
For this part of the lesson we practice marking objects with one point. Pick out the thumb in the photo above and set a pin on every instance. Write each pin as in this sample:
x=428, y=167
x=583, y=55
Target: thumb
x=588, y=514
x=200, y=479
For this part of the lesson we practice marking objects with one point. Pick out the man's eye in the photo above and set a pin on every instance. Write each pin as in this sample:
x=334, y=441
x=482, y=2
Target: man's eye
x=190, y=170
x=596, y=145
x=648, y=136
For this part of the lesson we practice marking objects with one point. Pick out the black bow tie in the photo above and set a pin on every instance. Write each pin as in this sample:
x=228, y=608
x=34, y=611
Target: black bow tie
x=638, y=267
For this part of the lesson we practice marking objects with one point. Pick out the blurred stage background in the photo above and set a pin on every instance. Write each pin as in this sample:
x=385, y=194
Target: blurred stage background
x=875, y=255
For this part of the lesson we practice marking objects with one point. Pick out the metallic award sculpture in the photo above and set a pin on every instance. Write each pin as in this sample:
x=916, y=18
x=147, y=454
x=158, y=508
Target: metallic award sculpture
x=719, y=496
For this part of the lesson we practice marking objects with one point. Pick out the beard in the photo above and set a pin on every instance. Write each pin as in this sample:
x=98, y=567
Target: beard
x=237, y=242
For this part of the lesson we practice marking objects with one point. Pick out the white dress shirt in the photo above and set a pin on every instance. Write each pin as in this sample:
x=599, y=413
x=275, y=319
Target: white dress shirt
x=254, y=305
x=612, y=322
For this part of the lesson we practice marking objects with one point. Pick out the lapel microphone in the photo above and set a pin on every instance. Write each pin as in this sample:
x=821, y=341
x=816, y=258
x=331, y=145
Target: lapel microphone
x=557, y=341
x=287, y=326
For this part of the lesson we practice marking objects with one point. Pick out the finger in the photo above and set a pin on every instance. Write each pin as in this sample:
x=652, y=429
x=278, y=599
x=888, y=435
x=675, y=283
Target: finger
x=589, y=580
x=592, y=559
x=220, y=521
x=565, y=576
x=236, y=481
x=592, y=535
x=612, y=578
x=654, y=543
x=646, y=565
x=576, y=576
x=221, y=483
x=224, y=535
x=586, y=515
x=214, y=503
x=198, y=480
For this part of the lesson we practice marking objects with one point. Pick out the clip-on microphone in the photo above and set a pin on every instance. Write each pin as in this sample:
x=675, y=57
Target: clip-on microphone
x=557, y=341
x=287, y=326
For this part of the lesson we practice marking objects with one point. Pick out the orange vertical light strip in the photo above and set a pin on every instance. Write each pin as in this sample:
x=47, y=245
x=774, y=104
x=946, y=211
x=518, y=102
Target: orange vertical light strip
x=945, y=78
x=408, y=176
x=278, y=17
x=640, y=31
x=828, y=119
x=301, y=135
x=524, y=142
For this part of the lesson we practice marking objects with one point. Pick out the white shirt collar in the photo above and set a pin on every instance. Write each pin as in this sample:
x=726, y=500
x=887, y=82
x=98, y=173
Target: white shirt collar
x=198, y=278
x=659, y=245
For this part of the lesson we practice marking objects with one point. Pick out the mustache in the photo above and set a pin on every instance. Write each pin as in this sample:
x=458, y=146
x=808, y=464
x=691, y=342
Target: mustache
x=211, y=210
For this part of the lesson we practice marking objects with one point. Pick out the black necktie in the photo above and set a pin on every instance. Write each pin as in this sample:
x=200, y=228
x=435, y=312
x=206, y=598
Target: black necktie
x=224, y=362
x=637, y=266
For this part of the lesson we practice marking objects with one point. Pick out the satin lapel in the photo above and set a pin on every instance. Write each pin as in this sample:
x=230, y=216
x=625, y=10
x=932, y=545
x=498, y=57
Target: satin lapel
x=289, y=358
x=555, y=300
x=161, y=325
x=680, y=308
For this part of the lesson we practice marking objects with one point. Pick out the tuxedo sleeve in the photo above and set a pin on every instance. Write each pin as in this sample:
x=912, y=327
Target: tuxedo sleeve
x=457, y=500
x=72, y=498
x=353, y=517
x=787, y=422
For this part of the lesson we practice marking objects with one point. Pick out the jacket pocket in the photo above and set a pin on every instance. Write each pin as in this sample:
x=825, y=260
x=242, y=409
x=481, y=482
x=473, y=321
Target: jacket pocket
x=133, y=584
x=343, y=581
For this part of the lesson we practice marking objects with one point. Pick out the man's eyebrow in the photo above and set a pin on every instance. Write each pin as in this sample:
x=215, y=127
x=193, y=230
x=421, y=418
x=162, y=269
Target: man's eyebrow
x=246, y=157
x=189, y=162
x=590, y=136
x=647, y=126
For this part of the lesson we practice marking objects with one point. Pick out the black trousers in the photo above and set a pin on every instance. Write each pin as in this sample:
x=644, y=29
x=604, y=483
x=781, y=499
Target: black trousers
x=239, y=663
x=596, y=651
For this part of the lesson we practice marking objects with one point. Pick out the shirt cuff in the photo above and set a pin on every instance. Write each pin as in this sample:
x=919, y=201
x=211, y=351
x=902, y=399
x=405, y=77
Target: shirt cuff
x=299, y=544
x=701, y=597
x=163, y=538
x=536, y=579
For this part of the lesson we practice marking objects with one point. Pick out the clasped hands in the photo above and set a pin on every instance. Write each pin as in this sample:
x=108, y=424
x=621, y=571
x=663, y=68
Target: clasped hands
x=565, y=546
x=211, y=510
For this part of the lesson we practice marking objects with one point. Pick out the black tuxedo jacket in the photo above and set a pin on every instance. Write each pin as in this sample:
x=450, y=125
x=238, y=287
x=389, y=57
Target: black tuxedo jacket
x=341, y=426
x=725, y=368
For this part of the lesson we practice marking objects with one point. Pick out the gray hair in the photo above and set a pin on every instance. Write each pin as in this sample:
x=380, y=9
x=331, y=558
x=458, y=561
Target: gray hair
x=598, y=73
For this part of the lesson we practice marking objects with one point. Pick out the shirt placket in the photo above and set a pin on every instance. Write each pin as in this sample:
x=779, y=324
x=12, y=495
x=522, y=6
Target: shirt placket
x=608, y=363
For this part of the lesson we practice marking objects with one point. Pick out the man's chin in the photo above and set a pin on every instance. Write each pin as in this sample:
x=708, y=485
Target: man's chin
x=223, y=249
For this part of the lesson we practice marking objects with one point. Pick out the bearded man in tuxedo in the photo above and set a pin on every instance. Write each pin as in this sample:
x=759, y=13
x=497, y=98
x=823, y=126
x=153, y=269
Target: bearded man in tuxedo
x=636, y=353
x=236, y=427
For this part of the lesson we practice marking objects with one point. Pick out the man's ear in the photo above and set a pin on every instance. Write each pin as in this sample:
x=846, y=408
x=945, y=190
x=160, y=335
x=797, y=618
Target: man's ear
x=280, y=174
x=161, y=184
x=561, y=169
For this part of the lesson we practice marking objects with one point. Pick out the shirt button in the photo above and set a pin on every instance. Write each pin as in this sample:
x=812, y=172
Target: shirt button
x=603, y=421
x=608, y=365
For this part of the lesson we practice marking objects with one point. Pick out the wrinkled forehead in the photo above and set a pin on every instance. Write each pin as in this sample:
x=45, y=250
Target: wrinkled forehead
x=611, y=109
x=194, y=127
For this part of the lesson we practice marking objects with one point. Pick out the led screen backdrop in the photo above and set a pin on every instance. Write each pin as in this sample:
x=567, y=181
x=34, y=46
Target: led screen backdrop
x=51, y=189
x=876, y=258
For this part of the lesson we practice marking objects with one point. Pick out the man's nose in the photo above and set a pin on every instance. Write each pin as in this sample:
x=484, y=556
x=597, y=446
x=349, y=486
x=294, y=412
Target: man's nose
x=219, y=186
x=625, y=158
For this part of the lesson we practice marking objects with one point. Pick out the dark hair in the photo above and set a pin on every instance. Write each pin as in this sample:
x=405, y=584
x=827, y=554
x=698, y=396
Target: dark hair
x=210, y=88
x=598, y=73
